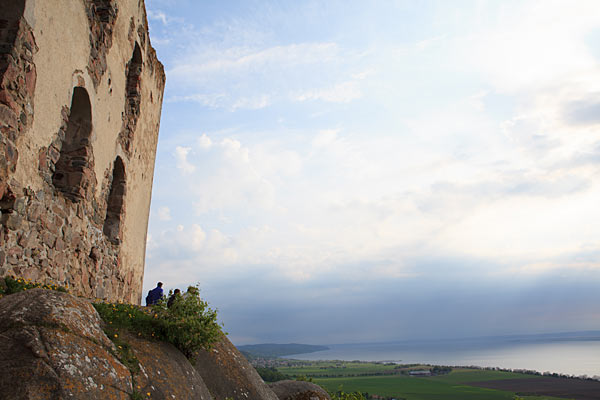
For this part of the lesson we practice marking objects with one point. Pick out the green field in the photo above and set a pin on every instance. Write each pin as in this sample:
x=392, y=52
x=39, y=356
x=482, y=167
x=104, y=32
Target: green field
x=450, y=386
x=334, y=368
x=463, y=375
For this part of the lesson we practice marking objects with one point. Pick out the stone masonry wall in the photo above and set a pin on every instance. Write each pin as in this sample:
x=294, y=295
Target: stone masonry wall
x=17, y=83
x=63, y=221
x=102, y=15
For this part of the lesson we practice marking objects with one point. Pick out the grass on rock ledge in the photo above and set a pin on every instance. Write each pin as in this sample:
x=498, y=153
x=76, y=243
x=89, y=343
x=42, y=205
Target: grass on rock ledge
x=189, y=324
x=12, y=284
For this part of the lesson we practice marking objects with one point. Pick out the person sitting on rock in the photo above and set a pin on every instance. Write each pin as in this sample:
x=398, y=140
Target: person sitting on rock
x=155, y=294
x=175, y=294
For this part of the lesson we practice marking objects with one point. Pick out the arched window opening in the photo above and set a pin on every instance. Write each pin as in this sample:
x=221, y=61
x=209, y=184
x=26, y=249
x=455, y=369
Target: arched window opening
x=134, y=73
x=114, y=209
x=73, y=172
x=132, y=99
x=12, y=10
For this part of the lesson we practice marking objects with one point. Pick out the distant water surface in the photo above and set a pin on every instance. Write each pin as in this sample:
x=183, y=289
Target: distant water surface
x=566, y=355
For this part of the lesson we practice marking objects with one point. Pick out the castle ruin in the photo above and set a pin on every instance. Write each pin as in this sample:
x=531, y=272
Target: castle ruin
x=81, y=91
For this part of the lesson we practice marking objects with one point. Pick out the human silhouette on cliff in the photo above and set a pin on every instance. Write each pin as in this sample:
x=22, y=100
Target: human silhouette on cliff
x=155, y=294
x=175, y=294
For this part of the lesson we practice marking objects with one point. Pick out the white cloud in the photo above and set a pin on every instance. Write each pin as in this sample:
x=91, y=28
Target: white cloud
x=204, y=142
x=225, y=174
x=251, y=103
x=343, y=92
x=221, y=100
x=524, y=226
x=325, y=137
x=197, y=236
x=157, y=15
x=181, y=157
x=164, y=214
x=256, y=77
x=214, y=100
x=425, y=43
x=534, y=43
x=206, y=63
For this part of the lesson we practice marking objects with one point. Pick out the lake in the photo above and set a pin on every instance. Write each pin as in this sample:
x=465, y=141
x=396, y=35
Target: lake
x=572, y=353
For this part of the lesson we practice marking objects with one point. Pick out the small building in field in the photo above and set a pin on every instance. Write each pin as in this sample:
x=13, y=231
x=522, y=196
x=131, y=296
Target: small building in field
x=424, y=372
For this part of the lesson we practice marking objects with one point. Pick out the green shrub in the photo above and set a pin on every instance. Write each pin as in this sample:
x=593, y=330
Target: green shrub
x=303, y=378
x=189, y=323
x=341, y=395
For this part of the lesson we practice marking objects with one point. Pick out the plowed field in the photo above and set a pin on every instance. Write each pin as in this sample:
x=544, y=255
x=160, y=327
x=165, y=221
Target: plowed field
x=546, y=386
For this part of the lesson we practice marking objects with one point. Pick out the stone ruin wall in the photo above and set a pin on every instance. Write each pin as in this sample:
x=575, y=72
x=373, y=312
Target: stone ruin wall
x=80, y=100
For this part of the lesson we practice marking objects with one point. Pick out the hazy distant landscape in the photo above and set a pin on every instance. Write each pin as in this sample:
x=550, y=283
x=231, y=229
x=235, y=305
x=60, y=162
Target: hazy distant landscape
x=461, y=368
x=279, y=350
x=570, y=353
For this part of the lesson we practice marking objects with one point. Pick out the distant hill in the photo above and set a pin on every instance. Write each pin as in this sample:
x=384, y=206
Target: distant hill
x=279, y=350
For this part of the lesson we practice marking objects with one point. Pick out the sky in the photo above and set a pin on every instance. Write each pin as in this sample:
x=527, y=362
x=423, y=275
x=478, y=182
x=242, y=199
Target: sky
x=369, y=171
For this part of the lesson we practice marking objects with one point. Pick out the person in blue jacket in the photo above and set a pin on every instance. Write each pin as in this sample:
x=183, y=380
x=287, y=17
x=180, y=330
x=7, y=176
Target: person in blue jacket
x=155, y=294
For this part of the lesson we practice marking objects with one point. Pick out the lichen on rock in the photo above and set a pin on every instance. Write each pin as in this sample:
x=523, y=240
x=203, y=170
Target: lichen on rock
x=54, y=347
x=228, y=374
x=298, y=390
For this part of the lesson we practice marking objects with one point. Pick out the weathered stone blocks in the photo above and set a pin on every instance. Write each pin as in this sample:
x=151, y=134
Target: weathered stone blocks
x=59, y=222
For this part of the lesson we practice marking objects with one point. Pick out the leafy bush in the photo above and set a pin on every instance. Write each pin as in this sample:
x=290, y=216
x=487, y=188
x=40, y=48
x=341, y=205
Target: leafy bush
x=303, y=378
x=341, y=395
x=11, y=284
x=337, y=395
x=189, y=323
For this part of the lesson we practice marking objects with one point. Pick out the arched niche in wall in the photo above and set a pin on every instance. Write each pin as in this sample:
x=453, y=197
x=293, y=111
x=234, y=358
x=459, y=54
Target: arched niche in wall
x=114, y=206
x=74, y=170
x=132, y=98
x=134, y=73
x=11, y=10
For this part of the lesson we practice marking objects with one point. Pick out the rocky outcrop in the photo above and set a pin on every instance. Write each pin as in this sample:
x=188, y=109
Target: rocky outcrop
x=298, y=390
x=53, y=347
x=165, y=372
x=227, y=373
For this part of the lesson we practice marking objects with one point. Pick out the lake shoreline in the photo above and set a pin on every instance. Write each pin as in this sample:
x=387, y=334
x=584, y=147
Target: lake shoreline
x=562, y=355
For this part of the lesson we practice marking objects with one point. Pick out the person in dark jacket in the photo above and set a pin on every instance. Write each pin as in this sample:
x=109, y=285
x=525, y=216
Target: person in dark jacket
x=155, y=294
x=175, y=294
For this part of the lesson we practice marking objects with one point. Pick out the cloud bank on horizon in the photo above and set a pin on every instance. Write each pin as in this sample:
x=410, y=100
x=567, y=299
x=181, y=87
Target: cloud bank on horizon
x=341, y=171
